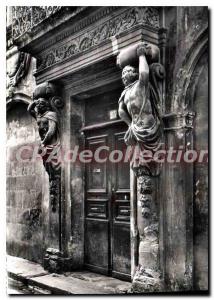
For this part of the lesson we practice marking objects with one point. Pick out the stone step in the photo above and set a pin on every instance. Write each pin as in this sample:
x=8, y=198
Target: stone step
x=37, y=281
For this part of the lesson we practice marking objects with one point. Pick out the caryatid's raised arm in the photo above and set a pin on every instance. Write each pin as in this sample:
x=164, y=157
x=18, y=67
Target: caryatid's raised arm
x=143, y=65
x=31, y=109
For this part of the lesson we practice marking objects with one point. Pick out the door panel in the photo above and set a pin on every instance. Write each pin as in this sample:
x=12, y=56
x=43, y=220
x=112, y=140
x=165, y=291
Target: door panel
x=121, y=265
x=107, y=208
x=121, y=251
x=96, y=172
x=97, y=245
x=97, y=209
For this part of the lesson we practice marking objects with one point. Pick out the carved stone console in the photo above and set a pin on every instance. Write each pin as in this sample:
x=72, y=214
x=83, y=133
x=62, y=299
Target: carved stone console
x=139, y=108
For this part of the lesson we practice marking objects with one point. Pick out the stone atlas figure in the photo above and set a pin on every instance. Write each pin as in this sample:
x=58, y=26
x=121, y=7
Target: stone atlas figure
x=139, y=108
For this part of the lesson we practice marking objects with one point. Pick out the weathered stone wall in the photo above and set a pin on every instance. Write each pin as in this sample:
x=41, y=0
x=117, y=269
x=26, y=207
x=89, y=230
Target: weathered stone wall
x=24, y=187
x=201, y=213
x=185, y=220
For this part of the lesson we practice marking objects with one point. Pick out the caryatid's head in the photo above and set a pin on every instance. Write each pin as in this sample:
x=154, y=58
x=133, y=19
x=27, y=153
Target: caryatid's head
x=129, y=75
x=42, y=105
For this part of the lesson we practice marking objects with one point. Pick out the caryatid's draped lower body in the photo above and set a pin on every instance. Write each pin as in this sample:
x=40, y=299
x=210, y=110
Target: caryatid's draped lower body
x=50, y=159
x=145, y=133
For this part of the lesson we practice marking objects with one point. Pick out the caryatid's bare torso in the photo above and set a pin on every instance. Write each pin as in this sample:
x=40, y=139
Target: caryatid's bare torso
x=136, y=106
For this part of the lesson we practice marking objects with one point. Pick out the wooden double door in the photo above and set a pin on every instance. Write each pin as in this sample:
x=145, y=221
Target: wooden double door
x=107, y=204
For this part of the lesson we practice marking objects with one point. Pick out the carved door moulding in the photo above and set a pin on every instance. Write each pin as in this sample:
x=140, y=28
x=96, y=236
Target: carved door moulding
x=187, y=69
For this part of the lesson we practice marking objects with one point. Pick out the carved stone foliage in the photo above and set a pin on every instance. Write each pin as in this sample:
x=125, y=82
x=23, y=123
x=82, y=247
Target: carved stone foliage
x=26, y=17
x=148, y=276
x=126, y=20
x=45, y=109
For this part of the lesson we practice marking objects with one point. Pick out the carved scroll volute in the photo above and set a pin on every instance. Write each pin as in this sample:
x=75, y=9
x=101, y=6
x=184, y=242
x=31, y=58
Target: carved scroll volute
x=142, y=74
x=45, y=108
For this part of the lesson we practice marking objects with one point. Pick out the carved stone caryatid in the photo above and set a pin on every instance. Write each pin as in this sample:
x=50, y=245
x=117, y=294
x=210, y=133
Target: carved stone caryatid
x=45, y=109
x=139, y=108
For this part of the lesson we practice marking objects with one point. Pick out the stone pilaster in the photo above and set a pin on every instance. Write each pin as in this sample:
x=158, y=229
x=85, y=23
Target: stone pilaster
x=147, y=277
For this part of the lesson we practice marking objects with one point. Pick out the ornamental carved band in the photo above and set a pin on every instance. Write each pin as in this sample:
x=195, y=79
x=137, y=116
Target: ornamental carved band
x=24, y=18
x=129, y=18
x=139, y=107
x=45, y=108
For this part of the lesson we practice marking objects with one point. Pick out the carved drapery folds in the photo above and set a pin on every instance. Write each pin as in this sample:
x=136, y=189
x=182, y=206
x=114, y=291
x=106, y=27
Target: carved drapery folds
x=139, y=107
x=45, y=108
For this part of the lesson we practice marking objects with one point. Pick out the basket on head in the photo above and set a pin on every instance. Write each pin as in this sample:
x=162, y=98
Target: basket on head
x=128, y=56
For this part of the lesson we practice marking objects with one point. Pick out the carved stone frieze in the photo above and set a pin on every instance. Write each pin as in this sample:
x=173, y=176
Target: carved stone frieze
x=26, y=17
x=126, y=20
